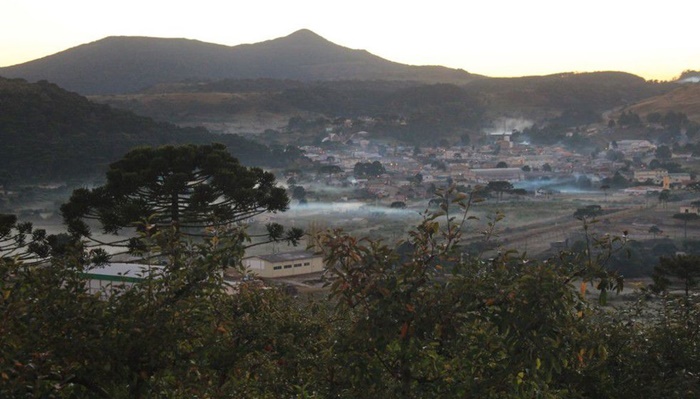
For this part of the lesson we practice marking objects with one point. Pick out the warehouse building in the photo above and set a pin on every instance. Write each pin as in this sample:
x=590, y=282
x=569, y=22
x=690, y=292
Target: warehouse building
x=284, y=264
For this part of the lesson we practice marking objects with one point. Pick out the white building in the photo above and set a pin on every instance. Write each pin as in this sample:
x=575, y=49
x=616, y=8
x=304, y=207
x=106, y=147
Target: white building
x=496, y=174
x=627, y=146
x=115, y=277
x=284, y=264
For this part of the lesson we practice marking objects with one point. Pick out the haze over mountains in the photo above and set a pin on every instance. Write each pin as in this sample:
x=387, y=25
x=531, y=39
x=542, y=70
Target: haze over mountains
x=129, y=64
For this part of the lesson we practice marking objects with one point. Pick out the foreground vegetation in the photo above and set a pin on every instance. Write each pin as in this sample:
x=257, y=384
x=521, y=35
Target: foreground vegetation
x=413, y=321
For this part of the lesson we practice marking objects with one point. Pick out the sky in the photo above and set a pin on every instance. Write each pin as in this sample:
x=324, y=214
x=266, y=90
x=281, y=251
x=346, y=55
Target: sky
x=497, y=38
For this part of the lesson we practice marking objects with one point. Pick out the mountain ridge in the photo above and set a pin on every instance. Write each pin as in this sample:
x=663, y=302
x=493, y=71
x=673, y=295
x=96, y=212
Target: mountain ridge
x=127, y=64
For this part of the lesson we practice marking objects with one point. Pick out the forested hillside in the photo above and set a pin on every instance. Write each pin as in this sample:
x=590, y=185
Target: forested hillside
x=50, y=133
x=425, y=110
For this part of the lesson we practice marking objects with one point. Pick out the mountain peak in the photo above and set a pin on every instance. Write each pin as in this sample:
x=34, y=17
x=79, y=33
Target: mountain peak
x=305, y=37
x=305, y=33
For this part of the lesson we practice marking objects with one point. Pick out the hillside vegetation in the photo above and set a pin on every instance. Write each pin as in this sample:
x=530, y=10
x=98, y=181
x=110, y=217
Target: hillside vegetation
x=50, y=133
x=685, y=99
x=446, y=109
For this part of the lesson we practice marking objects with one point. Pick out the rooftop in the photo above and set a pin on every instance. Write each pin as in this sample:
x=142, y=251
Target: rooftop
x=286, y=256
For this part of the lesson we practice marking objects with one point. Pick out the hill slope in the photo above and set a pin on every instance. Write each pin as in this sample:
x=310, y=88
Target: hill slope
x=130, y=64
x=48, y=133
x=685, y=99
x=571, y=98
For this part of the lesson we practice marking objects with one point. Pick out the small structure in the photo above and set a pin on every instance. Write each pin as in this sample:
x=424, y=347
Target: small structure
x=629, y=146
x=284, y=264
x=690, y=209
x=496, y=174
x=656, y=176
x=115, y=277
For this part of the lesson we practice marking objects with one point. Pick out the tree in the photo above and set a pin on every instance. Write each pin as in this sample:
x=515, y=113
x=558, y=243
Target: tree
x=664, y=196
x=629, y=118
x=654, y=117
x=330, y=169
x=177, y=332
x=663, y=152
x=547, y=167
x=398, y=205
x=618, y=180
x=526, y=168
x=439, y=165
x=588, y=212
x=423, y=319
x=521, y=192
x=190, y=188
x=501, y=165
x=5, y=179
x=369, y=169
x=299, y=193
x=605, y=188
x=615, y=155
x=686, y=217
x=420, y=322
x=682, y=268
x=584, y=182
x=655, y=164
x=655, y=230
x=20, y=241
x=499, y=187
x=416, y=179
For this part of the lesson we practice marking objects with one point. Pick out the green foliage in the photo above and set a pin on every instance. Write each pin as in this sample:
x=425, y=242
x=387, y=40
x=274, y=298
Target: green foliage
x=686, y=217
x=19, y=241
x=49, y=133
x=177, y=333
x=588, y=212
x=499, y=187
x=680, y=268
x=369, y=169
x=629, y=119
x=422, y=319
x=663, y=152
x=330, y=169
x=190, y=188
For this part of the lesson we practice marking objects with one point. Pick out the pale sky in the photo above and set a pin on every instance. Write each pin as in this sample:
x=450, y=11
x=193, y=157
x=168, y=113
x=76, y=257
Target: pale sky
x=498, y=38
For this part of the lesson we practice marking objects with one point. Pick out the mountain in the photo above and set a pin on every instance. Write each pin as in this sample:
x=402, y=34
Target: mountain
x=129, y=64
x=48, y=133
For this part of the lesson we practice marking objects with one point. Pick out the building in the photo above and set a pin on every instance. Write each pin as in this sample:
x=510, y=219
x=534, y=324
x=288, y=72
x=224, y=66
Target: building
x=656, y=176
x=629, y=146
x=690, y=209
x=497, y=174
x=682, y=178
x=115, y=277
x=284, y=264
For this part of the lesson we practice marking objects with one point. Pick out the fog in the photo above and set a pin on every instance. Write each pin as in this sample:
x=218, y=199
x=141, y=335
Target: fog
x=345, y=210
x=562, y=185
x=507, y=125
